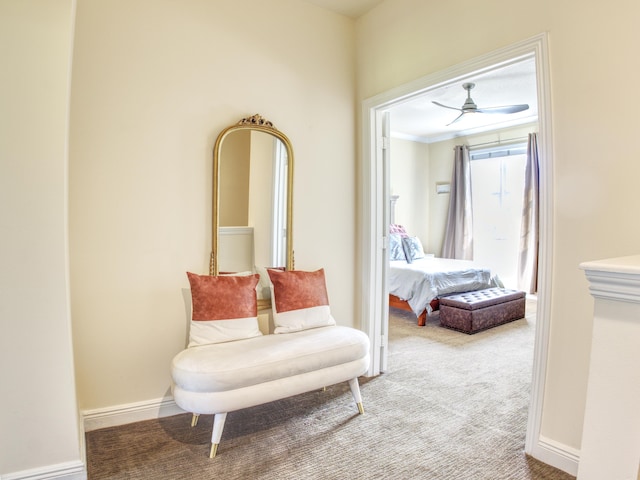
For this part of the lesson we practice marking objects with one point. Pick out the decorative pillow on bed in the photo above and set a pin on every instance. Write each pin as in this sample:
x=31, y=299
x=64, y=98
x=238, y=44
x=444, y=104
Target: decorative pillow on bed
x=412, y=248
x=300, y=300
x=223, y=308
x=399, y=229
x=396, y=251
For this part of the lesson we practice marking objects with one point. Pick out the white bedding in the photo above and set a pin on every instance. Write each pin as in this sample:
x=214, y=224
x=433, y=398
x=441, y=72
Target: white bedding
x=424, y=279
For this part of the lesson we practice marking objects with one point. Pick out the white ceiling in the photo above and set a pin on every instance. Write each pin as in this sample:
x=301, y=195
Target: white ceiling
x=419, y=119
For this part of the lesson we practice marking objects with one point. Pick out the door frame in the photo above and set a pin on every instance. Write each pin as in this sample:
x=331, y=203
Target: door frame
x=374, y=200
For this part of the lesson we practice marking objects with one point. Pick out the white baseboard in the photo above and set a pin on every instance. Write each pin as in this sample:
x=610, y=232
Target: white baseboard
x=129, y=413
x=61, y=471
x=557, y=455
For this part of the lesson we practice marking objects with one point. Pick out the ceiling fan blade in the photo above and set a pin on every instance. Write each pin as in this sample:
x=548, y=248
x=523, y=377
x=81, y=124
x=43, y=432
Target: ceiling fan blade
x=446, y=106
x=456, y=119
x=505, y=109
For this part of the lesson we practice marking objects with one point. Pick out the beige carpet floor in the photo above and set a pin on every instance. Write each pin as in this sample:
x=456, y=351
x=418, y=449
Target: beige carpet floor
x=451, y=407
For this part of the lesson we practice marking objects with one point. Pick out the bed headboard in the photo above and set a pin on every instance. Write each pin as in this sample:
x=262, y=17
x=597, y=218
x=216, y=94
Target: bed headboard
x=392, y=208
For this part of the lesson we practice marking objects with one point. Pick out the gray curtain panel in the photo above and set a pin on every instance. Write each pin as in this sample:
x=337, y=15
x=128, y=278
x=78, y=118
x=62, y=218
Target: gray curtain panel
x=458, y=236
x=529, y=231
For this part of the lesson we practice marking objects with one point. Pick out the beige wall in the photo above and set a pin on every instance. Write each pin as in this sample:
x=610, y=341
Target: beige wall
x=153, y=85
x=38, y=419
x=409, y=179
x=593, y=57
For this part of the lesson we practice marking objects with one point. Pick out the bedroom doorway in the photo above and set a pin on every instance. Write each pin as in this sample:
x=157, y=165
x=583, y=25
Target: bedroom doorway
x=375, y=208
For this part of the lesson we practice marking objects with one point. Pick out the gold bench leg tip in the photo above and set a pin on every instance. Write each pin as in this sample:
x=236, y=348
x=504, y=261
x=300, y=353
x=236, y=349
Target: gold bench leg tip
x=194, y=420
x=214, y=450
x=360, y=408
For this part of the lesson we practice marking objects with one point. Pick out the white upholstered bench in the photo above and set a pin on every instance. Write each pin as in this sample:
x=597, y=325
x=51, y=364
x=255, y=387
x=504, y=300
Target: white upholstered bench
x=223, y=377
x=231, y=364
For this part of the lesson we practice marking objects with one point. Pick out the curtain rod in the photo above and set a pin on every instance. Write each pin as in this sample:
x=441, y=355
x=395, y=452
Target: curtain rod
x=500, y=142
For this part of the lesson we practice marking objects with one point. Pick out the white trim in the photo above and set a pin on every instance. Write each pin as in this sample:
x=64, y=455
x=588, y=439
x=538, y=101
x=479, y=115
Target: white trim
x=67, y=471
x=614, y=279
x=235, y=230
x=546, y=222
x=557, y=455
x=370, y=214
x=370, y=272
x=129, y=413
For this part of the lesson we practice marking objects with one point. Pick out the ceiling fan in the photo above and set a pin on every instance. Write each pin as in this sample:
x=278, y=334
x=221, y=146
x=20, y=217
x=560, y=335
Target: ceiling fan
x=471, y=107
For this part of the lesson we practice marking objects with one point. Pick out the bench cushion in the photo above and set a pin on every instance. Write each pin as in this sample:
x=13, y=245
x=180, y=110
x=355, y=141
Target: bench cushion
x=232, y=365
x=481, y=298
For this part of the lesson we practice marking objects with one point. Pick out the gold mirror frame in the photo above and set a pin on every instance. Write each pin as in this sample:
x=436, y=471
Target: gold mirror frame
x=258, y=124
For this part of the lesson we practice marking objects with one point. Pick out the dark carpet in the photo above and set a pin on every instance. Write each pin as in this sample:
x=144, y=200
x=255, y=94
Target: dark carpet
x=451, y=406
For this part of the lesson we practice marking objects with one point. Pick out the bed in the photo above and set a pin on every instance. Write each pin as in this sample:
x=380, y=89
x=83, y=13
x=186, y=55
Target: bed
x=416, y=280
x=416, y=286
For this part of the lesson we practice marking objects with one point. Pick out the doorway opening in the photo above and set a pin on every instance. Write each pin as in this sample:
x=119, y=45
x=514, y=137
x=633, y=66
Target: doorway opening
x=374, y=216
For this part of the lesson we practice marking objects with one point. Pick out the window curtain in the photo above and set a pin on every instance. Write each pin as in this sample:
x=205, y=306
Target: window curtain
x=458, y=234
x=529, y=231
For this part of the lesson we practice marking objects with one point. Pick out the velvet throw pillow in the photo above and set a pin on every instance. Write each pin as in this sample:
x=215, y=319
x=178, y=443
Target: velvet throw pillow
x=412, y=248
x=223, y=308
x=300, y=300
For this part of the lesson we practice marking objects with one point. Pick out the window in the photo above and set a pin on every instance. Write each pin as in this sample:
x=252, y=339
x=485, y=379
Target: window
x=497, y=185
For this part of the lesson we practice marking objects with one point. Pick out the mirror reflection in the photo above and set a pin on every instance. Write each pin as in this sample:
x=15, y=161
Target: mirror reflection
x=253, y=173
x=253, y=191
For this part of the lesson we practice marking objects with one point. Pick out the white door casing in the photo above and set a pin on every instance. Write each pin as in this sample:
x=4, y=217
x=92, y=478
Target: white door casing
x=374, y=213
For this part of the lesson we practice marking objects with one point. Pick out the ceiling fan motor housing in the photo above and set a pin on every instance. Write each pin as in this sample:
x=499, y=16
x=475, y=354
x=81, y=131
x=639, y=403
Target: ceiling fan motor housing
x=469, y=104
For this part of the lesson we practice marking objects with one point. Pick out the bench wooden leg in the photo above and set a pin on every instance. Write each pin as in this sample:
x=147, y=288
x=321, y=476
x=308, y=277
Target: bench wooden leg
x=355, y=391
x=218, y=425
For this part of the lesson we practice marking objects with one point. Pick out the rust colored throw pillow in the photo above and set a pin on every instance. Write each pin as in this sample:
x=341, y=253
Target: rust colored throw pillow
x=300, y=300
x=224, y=308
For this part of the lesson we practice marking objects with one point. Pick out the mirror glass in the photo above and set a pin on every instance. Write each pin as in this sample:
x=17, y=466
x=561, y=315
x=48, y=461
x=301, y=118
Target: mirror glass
x=252, y=207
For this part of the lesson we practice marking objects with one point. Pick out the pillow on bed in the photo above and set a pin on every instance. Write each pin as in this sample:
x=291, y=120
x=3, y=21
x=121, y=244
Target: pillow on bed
x=412, y=247
x=300, y=300
x=396, y=251
x=223, y=308
x=399, y=229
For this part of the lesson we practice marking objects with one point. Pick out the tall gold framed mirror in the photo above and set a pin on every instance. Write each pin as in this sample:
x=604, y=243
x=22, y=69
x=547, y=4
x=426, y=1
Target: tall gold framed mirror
x=252, y=198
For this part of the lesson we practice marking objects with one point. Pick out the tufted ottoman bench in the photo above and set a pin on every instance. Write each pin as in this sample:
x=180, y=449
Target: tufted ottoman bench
x=471, y=312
